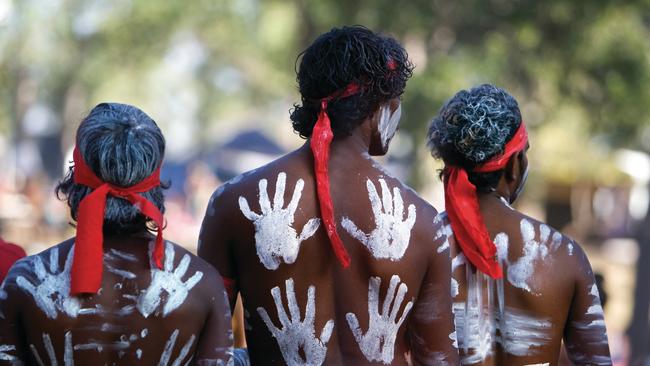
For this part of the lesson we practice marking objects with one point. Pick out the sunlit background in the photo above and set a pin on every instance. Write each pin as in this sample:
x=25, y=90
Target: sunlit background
x=218, y=77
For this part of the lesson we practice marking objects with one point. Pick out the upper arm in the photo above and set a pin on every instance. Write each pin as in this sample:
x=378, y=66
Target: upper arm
x=214, y=240
x=12, y=347
x=216, y=342
x=431, y=327
x=585, y=335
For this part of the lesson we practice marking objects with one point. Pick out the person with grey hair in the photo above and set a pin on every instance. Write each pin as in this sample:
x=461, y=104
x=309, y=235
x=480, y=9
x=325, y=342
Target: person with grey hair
x=116, y=293
x=520, y=287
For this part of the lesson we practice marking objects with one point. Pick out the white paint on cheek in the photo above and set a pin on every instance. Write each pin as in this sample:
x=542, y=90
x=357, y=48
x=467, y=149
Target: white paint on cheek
x=392, y=233
x=378, y=343
x=169, y=280
x=388, y=123
x=298, y=335
x=4, y=349
x=276, y=240
x=51, y=289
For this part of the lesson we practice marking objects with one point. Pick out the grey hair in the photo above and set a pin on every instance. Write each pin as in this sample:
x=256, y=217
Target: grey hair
x=123, y=146
x=474, y=126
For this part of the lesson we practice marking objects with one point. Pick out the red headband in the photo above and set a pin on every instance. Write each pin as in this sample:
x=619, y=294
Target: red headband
x=87, y=264
x=463, y=211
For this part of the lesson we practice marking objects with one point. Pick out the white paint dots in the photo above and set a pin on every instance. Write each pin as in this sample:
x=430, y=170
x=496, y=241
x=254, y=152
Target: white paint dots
x=168, y=280
x=138, y=353
x=569, y=248
x=51, y=288
x=392, y=233
x=144, y=333
x=297, y=338
x=378, y=343
x=276, y=240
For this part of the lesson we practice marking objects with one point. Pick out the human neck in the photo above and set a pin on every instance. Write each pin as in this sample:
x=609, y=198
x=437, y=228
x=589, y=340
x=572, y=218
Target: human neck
x=355, y=145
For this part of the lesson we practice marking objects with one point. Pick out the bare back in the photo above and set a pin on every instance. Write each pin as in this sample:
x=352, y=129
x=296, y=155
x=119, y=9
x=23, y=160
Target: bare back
x=302, y=307
x=548, y=294
x=140, y=315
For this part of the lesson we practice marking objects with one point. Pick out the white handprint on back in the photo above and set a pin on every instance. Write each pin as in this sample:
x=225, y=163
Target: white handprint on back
x=51, y=289
x=378, y=344
x=275, y=238
x=391, y=236
x=296, y=335
x=169, y=280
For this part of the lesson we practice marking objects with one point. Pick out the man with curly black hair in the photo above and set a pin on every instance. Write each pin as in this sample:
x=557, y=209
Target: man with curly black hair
x=520, y=287
x=333, y=257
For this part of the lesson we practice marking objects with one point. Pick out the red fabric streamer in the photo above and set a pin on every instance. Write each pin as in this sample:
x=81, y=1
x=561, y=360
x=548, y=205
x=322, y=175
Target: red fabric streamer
x=321, y=139
x=87, y=265
x=461, y=204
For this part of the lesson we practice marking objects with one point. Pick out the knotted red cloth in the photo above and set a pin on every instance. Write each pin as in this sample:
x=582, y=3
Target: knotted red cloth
x=87, y=265
x=461, y=204
x=321, y=138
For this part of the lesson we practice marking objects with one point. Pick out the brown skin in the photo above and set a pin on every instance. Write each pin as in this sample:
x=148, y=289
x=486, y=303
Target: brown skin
x=204, y=313
x=227, y=241
x=563, y=281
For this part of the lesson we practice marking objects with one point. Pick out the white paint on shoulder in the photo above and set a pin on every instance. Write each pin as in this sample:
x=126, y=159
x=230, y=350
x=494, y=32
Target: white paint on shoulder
x=297, y=338
x=392, y=233
x=378, y=343
x=169, y=280
x=276, y=240
x=444, y=232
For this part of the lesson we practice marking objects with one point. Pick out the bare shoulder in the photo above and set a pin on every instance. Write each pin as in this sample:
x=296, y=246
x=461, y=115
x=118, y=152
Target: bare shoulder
x=51, y=261
x=228, y=193
x=548, y=239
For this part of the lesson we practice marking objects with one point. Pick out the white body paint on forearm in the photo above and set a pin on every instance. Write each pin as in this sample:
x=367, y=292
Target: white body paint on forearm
x=276, y=240
x=392, y=233
x=378, y=343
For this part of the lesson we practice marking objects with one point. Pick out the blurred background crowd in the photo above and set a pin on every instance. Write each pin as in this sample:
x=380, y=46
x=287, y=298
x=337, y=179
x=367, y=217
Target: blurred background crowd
x=219, y=79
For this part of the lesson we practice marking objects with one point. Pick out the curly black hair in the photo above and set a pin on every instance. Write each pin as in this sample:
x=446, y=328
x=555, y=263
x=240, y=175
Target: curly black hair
x=379, y=64
x=472, y=127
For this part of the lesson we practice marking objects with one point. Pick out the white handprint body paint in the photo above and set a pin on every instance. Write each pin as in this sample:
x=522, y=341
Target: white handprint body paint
x=168, y=280
x=298, y=335
x=68, y=359
x=392, y=233
x=520, y=272
x=378, y=343
x=50, y=289
x=276, y=240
